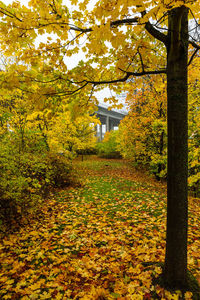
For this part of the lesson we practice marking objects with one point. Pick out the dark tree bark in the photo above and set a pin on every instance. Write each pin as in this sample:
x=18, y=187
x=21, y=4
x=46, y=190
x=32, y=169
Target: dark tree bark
x=175, y=268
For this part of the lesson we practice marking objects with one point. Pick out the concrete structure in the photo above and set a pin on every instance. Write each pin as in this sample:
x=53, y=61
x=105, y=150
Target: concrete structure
x=109, y=119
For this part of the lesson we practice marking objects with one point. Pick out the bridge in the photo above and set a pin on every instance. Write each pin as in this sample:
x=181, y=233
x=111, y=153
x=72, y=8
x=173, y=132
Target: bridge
x=109, y=119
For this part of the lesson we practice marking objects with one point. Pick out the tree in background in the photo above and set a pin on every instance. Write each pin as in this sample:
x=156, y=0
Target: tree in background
x=194, y=128
x=69, y=135
x=142, y=133
x=39, y=136
x=108, y=147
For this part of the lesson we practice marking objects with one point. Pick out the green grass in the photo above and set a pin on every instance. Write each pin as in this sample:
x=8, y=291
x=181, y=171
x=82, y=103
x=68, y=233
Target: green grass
x=100, y=164
x=105, y=237
x=116, y=198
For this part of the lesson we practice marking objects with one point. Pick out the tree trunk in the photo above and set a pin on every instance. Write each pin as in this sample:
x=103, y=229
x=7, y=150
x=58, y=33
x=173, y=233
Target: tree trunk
x=175, y=269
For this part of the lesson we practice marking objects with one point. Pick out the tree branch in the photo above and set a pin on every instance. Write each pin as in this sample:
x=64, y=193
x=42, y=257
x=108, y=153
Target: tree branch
x=95, y=83
x=42, y=81
x=141, y=60
x=91, y=93
x=195, y=45
x=192, y=57
x=149, y=27
x=67, y=93
x=156, y=33
x=128, y=74
x=124, y=22
x=9, y=14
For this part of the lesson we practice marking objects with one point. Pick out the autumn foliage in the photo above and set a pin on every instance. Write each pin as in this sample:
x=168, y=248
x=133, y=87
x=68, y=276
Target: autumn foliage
x=142, y=134
x=37, y=145
x=104, y=240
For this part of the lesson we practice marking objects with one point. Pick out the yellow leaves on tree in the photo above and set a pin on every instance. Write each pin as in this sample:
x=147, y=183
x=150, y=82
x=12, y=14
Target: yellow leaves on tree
x=68, y=134
x=142, y=134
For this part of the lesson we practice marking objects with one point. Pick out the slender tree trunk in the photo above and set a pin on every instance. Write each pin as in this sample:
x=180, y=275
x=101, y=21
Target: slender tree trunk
x=175, y=269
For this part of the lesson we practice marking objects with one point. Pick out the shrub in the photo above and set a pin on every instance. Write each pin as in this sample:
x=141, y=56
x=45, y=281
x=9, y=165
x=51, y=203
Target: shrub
x=59, y=170
x=108, y=147
x=27, y=176
x=158, y=165
x=194, y=169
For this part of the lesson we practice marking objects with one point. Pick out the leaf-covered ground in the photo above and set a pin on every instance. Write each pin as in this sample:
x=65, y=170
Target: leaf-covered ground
x=95, y=242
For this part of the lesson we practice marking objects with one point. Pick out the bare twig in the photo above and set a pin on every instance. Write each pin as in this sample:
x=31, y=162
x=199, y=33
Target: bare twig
x=193, y=56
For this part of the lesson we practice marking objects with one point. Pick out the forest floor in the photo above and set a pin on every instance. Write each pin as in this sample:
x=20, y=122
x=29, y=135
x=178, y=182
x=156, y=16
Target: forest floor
x=96, y=241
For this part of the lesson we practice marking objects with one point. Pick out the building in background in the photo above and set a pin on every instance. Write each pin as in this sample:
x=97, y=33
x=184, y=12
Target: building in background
x=109, y=119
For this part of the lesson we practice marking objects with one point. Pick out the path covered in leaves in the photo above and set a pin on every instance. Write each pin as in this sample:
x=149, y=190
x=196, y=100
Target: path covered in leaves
x=97, y=241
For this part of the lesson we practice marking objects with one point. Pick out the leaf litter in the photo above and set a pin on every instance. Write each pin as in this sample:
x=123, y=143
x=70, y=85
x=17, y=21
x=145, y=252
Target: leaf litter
x=99, y=241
